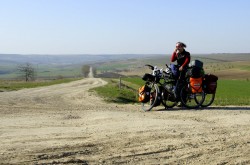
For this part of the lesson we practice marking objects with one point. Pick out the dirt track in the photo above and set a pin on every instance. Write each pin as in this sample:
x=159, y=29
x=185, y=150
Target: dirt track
x=64, y=123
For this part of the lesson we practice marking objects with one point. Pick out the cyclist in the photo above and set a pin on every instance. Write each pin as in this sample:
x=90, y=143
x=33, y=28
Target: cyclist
x=183, y=58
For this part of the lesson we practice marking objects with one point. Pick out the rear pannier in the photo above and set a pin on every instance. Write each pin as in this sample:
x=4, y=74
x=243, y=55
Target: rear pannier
x=196, y=84
x=210, y=83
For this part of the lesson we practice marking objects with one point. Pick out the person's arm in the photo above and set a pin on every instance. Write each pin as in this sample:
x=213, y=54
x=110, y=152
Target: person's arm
x=186, y=62
x=174, y=57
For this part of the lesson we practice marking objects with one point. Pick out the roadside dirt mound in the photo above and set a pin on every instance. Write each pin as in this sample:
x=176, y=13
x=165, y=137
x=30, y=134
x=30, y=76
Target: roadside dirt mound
x=66, y=124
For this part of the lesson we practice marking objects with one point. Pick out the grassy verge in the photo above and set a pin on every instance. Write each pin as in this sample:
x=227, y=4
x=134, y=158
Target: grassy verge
x=9, y=85
x=113, y=93
x=229, y=92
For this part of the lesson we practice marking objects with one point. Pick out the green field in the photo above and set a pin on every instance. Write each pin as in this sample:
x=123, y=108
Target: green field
x=233, y=92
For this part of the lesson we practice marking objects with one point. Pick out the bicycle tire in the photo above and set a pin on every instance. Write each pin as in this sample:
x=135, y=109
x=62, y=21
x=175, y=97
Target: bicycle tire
x=191, y=100
x=166, y=102
x=153, y=97
x=208, y=100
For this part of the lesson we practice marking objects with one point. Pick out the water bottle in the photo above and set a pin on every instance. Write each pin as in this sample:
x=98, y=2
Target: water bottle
x=161, y=71
x=155, y=69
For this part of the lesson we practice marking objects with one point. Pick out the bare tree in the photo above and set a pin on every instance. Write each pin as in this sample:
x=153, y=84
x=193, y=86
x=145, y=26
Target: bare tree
x=27, y=71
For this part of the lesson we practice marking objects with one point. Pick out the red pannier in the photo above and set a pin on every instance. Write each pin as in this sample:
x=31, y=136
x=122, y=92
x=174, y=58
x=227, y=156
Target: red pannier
x=210, y=83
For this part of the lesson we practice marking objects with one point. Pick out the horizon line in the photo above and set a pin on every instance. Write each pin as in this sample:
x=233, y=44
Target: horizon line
x=66, y=54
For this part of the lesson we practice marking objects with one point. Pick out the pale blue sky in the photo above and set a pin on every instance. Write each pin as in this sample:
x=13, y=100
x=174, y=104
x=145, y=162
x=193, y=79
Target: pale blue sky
x=123, y=26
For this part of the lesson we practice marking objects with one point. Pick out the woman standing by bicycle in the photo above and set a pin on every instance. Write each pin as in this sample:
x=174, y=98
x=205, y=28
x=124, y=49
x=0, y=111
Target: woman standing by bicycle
x=183, y=58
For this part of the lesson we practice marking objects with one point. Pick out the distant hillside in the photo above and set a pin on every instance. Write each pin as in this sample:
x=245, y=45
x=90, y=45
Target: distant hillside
x=63, y=59
x=223, y=57
x=91, y=59
x=51, y=66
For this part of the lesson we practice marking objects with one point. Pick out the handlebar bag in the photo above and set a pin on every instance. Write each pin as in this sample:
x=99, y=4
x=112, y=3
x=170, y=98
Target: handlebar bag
x=148, y=77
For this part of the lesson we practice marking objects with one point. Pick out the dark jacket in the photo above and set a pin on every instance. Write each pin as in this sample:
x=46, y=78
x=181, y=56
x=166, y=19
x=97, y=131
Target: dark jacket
x=183, y=58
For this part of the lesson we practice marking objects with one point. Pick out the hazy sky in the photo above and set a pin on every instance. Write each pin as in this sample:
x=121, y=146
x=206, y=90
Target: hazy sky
x=123, y=26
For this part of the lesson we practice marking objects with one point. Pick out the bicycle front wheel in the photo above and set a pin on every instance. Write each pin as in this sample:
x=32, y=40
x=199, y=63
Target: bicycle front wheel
x=168, y=99
x=189, y=99
x=154, y=92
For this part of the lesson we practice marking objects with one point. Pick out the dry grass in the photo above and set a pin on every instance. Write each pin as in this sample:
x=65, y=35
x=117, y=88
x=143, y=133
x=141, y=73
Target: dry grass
x=224, y=70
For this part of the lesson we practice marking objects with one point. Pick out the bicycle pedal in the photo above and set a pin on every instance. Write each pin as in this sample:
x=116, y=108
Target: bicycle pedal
x=191, y=97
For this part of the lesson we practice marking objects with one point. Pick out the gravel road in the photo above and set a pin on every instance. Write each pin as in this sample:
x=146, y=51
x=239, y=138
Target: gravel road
x=66, y=124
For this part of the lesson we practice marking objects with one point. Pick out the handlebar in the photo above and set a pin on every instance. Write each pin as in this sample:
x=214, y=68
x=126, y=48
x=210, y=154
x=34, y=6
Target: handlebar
x=150, y=66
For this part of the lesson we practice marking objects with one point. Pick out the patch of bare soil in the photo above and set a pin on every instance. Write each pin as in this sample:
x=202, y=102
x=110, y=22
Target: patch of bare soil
x=65, y=124
x=233, y=74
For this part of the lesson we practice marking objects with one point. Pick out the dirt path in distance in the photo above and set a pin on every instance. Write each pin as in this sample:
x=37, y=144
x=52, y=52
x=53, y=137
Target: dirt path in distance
x=66, y=124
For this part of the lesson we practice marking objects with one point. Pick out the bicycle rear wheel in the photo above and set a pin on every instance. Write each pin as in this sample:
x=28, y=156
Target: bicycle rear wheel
x=189, y=99
x=153, y=97
x=209, y=99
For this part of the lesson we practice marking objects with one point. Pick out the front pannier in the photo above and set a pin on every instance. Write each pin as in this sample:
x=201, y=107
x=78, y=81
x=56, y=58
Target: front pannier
x=196, y=84
x=144, y=94
x=210, y=83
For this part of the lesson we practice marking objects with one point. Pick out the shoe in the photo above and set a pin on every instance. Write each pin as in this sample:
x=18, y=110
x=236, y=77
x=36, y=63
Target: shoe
x=179, y=104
